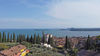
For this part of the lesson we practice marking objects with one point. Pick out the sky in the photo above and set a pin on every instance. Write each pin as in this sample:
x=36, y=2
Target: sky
x=49, y=14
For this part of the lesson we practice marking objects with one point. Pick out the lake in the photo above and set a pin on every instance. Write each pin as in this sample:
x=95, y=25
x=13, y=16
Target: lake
x=54, y=32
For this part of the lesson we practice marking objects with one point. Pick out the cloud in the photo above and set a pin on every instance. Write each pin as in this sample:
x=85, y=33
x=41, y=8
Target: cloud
x=57, y=14
x=76, y=13
x=75, y=10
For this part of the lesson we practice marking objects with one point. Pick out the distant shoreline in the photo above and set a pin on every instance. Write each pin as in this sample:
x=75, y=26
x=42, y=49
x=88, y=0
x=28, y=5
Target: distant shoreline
x=84, y=29
x=69, y=29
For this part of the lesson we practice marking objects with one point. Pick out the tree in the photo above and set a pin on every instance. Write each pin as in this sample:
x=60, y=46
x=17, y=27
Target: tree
x=67, y=44
x=31, y=39
x=88, y=44
x=27, y=39
x=49, y=40
x=3, y=38
x=34, y=40
x=97, y=47
x=8, y=39
x=43, y=39
x=23, y=37
x=14, y=38
x=18, y=38
x=0, y=37
x=38, y=39
x=11, y=38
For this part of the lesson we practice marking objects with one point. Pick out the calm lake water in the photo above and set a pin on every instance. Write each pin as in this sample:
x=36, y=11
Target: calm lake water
x=54, y=32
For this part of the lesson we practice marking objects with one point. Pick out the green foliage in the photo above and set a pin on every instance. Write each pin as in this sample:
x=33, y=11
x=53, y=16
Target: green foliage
x=34, y=40
x=8, y=39
x=11, y=38
x=10, y=44
x=54, y=49
x=75, y=51
x=21, y=38
x=4, y=37
x=50, y=41
x=0, y=37
x=27, y=44
x=98, y=37
x=14, y=38
x=67, y=44
x=38, y=39
x=88, y=43
x=43, y=39
x=97, y=46
x=17, y=38
x=31, y=39
x=27, y=39
x=39, y=50
x=3, y=46
x=67, y=54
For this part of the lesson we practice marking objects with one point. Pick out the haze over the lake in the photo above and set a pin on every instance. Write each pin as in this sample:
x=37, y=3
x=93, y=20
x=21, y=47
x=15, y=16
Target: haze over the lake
x=49, y=13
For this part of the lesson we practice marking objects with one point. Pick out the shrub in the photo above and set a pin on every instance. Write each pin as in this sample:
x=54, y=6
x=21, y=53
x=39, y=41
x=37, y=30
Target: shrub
x=3, y=46
x=39, y=50
x=27, y=44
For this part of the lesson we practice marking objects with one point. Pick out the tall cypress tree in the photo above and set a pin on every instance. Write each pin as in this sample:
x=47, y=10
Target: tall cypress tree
x=38, y=39
x=11, y=38
x=20, y=38
x=3, y=38
x=14, y=38
x=34, y=40
x=50, y=41
x=17, y=38
x=0, y=37
x=88, y=45
x=8, y=39
x=67, y=44
x=31, y=39
x=23, y=37
x=43, y=39
x=27, y=39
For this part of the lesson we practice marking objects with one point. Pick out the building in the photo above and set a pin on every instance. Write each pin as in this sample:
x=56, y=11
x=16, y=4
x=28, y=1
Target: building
x=14, y=51
x=60, y=42
x=47, y=36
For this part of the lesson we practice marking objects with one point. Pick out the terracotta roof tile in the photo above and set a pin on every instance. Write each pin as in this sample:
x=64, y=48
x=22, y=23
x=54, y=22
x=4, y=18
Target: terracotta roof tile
x=12, y=51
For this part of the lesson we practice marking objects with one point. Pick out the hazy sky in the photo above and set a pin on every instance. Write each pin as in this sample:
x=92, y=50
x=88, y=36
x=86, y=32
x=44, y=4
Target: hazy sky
x=49, y=13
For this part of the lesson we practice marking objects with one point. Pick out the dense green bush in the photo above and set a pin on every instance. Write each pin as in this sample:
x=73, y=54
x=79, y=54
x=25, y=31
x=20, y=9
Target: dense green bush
x=3, y=46
x=27, y=44
x=11, y=44
x=39, y=50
